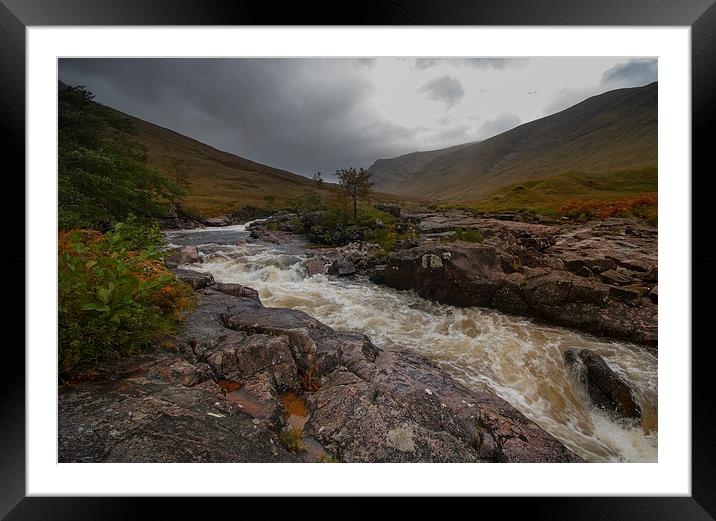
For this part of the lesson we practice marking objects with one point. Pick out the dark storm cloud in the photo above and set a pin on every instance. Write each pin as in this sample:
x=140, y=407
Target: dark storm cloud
x=446, y=89
x=311, y=114
x=635, y=72
x=300, y=115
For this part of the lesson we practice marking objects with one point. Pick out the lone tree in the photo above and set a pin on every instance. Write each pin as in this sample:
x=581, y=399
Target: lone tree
x=356, y=183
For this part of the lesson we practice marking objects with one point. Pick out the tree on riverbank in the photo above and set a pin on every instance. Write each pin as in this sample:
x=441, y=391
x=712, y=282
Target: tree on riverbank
x=356, y=183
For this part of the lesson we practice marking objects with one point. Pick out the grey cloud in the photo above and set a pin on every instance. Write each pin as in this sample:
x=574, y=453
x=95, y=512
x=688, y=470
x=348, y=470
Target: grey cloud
x=479, y=63
x=500, y=124
x=446, y=89
x=635, y=72
x=299, y=115
x=385, y=130
x=457, y=134
x=567, y=97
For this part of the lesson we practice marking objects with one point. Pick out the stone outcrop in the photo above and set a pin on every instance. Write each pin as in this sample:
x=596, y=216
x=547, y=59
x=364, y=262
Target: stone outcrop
x=222, y=391
x=195, y=279
x=183, y=255
x=605, y=388
x=597, y=277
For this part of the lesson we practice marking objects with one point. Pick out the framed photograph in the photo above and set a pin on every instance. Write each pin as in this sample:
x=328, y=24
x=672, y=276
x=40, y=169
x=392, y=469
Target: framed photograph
x=404, y=243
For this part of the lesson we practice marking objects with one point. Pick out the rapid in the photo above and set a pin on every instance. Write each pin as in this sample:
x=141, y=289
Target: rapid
x=519, y=359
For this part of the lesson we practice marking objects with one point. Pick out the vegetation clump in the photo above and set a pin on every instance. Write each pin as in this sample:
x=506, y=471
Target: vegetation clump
x=466, y=235
x=292, y=439
x=116, y=297
x=103, y=175
x=588, y=209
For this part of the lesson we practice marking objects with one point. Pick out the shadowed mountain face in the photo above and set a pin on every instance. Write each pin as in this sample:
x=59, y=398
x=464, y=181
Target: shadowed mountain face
x=615, y=130
x=217, y=181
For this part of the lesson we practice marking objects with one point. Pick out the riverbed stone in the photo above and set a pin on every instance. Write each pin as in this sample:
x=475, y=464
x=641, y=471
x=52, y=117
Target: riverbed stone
x=196, y=279
x=183, y=255
x=605, y=387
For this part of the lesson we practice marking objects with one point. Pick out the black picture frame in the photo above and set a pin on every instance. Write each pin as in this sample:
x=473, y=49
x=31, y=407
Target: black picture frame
x=700, y=15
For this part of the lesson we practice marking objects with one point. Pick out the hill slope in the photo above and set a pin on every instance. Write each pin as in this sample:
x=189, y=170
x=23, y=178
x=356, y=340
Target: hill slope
x=217, y=182
x=614, y=130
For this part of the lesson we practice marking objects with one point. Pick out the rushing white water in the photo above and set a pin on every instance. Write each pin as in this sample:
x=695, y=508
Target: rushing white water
x=517, y=358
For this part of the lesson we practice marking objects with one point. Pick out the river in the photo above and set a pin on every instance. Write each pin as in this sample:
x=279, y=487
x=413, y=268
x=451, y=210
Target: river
x=517, y=358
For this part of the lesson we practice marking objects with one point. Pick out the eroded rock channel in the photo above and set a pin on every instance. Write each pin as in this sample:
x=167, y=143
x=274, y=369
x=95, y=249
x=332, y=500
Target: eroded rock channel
x=278, y=365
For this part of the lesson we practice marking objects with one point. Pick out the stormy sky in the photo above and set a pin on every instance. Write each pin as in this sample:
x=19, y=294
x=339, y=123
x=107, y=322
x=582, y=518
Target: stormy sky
x=321, y=114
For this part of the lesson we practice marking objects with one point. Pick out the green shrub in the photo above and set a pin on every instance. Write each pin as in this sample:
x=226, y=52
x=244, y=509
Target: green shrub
x=103, y=175
x=292, y=439
x=327, y=458
x=469, y=235
x=115, y=295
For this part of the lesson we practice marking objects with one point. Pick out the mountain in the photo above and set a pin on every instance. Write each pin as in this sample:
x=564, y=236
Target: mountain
x=218, y=182
x=611, y=131
x=388, y=174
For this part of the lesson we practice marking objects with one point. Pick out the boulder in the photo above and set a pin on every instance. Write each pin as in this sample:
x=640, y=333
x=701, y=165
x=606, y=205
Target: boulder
x=239, y=291
x=392, y=209
x=636, y=264
x=195, y=279
x=461, y=274
x=616, y=277
x=342, y=267
x=605, y=388
x=593, y=264
x=315, y=267
x=560, y=287
x=222, y=220
x=624, y=294
x=183, y=255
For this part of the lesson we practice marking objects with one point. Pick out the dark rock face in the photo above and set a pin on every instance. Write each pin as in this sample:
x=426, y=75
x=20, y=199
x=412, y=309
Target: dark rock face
x=605, y=388
x=217, y=397
x=593, y=277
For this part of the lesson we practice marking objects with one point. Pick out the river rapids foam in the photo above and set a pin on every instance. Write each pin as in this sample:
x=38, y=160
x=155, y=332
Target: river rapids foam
x=519, y=359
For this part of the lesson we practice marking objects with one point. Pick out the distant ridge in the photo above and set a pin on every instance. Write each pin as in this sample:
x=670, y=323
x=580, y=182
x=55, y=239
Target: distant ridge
x=614, y=130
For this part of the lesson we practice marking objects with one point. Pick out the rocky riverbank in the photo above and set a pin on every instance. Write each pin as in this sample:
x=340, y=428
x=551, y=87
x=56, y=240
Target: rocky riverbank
x=243, y=382
x=179, y=219
x=600, y=277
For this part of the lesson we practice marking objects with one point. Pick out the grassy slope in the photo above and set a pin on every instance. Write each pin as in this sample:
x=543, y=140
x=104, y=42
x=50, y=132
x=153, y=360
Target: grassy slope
x=549, y=196
x=219, y=182
x=615, y=130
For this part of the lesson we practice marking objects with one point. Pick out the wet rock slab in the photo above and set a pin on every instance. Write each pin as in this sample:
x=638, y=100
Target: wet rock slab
x=599, y=277
x=221, y=395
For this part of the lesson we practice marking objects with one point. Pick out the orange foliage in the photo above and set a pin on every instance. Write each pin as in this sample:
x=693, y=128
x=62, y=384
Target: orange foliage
x=591, y=208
